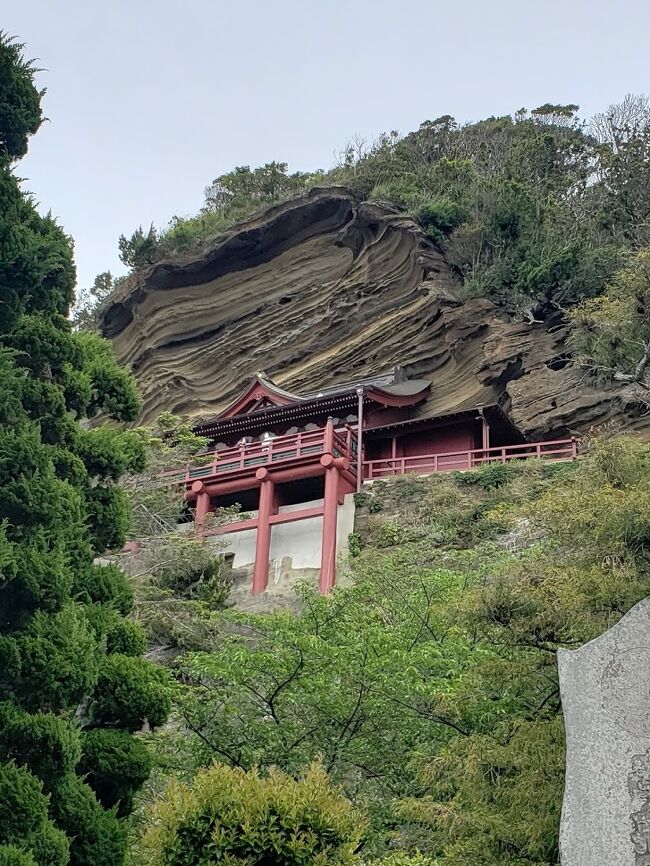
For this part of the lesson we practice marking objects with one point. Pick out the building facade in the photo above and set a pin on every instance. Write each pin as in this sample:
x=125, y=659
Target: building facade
x=293, y=463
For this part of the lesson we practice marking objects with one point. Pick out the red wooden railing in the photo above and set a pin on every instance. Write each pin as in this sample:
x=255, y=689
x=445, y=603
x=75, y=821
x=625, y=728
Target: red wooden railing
x=326, y=440
x=558, y=449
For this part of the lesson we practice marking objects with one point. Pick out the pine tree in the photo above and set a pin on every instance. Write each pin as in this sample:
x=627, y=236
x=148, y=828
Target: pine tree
x=71, y=697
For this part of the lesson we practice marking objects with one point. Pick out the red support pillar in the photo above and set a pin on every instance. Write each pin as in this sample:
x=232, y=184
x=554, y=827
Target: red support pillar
x=263, y=541
x=328, y=441
x=330, y=510
x=202, y=502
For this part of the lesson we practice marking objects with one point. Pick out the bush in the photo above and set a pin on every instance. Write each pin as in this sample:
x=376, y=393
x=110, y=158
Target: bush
x=59, y=660
x=440, y=218
x=236, y=817
x=98, y=837
x=354, y=544
x=489, y=477
x=12, y=856
x=130, y=692
x=401, y=858
x=126, y=638
x=50, y=847
x=23, y=806
x=390, y=534
x=45, y=743
x=107, y=585
x=115, y=764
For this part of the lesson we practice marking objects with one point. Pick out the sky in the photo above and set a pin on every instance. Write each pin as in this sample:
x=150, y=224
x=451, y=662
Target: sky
x=148, y=100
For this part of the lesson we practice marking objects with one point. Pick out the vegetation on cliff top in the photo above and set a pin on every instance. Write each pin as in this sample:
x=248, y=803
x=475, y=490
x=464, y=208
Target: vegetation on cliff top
x=537, y=211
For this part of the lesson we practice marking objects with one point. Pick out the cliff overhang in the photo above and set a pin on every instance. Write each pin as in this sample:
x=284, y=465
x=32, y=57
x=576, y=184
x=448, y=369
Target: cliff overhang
x=325, y=288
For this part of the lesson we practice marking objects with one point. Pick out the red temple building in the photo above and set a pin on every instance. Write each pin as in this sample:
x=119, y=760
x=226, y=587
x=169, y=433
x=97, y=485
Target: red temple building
x=295, y=461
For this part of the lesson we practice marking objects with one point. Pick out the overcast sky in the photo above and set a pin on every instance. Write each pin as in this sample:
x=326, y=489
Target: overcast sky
x=148, y=100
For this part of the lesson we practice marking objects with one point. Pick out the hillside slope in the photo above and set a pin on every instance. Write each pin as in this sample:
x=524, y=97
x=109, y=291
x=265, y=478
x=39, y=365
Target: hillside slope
x=325, y=287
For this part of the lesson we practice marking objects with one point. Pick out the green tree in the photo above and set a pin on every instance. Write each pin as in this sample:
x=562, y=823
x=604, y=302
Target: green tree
x=494, y=796
x=60, y=508
x=236, y=817
x=429, y=686
x=611, y=333
x=243, y=188
x=624, y=170
x=89, y=301
x=179, y=579
x=140, y=248
x=358, y=679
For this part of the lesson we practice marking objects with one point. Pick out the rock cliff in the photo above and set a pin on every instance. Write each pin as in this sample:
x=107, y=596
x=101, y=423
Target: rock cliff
x=323, y=288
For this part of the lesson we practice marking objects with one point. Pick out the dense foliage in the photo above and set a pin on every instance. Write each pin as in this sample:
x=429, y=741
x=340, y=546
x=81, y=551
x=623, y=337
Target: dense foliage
x=64, y=778
x=611, y=333
x=228, y=816
x=428, y=687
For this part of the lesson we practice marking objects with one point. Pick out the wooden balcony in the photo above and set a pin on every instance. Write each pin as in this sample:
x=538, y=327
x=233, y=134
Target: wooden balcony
x=287, y=451
x=558, y=449
x=302, y=449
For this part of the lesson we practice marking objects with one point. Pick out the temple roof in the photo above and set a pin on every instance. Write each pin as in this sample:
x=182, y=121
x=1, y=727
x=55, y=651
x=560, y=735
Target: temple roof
x=262, y=399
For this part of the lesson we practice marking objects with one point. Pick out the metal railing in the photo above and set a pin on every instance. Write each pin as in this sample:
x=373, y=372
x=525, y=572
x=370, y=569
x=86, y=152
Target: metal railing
x=558, y=449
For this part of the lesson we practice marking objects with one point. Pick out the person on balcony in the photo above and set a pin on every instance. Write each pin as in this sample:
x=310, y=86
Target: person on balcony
x=266, y=440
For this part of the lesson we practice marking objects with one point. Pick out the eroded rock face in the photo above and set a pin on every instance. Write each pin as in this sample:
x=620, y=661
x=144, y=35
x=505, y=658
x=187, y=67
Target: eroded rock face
x=324, y=288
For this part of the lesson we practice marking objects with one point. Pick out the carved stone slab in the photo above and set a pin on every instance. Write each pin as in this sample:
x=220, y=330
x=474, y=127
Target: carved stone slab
x=605, y=689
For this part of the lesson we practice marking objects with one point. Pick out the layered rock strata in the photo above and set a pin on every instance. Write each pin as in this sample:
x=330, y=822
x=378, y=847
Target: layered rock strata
x=325, y=288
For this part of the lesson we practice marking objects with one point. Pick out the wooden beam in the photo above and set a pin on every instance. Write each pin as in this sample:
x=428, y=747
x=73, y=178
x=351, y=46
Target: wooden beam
x=274, y=520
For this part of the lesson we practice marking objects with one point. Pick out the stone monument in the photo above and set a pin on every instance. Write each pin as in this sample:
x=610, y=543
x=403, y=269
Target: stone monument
x=605, y=689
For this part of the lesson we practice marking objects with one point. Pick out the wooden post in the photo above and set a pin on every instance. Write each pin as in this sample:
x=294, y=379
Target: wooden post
x=202, y=502
x=328, y=443
x=330, y=509
x=359, y=439
x=486, y=433
x=202, y=508
x=263, y=541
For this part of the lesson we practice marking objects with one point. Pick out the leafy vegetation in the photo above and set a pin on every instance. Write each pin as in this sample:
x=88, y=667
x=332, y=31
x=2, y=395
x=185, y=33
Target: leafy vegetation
x=60, y=508
x=428, y=686
x=611, y=333
x=412, y=718
x=229, y=816
x=180, y=579
x=228, y=199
